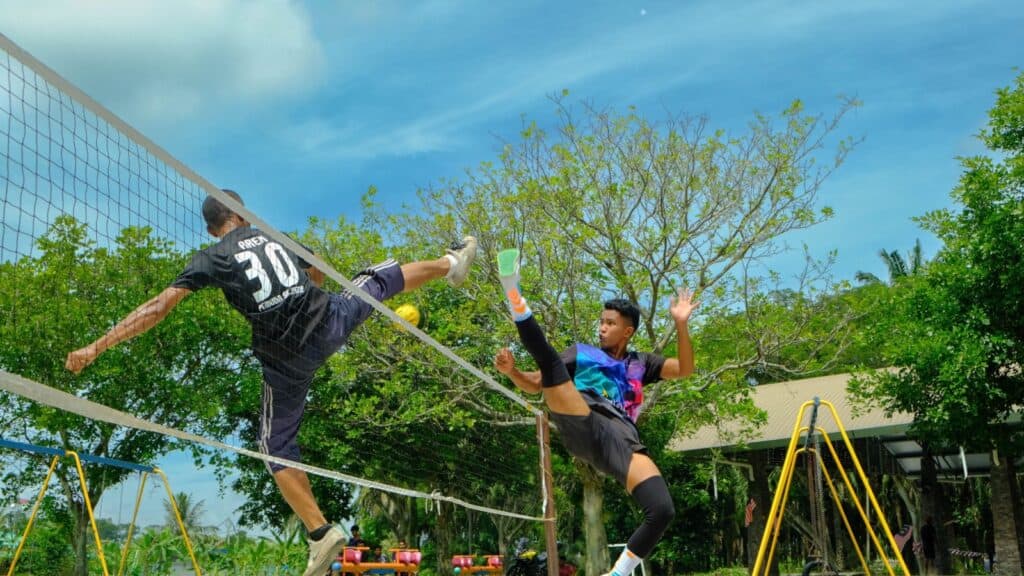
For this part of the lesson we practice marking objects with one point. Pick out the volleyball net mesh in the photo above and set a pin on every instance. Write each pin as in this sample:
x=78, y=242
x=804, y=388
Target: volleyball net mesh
x=96, y=219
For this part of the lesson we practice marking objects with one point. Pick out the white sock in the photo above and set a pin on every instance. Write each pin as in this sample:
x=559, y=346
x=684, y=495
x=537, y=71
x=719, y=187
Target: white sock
x=452, y=261
x=626, y=563
x=516, y=303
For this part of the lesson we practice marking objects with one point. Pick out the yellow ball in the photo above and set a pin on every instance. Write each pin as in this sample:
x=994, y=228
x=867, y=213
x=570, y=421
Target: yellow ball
x=409, y=313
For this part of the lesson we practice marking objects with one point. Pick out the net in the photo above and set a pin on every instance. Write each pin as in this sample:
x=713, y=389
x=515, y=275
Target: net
x=96, y=219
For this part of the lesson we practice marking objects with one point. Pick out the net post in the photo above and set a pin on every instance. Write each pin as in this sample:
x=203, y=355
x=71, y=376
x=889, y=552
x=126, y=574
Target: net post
x=548, y=489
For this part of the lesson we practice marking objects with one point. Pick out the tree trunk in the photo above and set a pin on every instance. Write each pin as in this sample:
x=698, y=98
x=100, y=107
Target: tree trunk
x=80, y=538
x=597, y=560
x=402, y=514
x=911, y=502
x=1017, y=492
x=1007, y=523
x=507, y=529
x=838, y=531
x=727, y=527
x=443, y=538
x=762, y=496
x=933, y=506
x=502, y=546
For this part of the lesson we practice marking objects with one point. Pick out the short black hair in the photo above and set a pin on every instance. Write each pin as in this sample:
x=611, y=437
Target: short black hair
x=215, y=213
x=626, y=308
x=355, y=527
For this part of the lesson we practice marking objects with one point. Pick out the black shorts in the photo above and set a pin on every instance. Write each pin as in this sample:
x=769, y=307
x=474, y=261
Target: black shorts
x=286, y=381
x=606, y=442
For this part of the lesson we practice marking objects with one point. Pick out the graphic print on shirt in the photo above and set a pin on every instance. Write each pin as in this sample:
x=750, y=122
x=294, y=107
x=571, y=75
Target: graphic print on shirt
x=619, y=381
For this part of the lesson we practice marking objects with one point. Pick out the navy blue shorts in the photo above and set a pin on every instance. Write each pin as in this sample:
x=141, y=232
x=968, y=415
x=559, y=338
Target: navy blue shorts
x=286, y=381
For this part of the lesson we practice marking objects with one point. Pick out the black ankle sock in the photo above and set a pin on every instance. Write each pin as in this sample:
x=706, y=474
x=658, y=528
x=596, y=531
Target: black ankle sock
x=319, y=533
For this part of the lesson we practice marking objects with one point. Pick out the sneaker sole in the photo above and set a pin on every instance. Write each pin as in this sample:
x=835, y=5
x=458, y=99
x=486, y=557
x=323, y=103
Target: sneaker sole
x=467, y=260
x=324, y=565
x=508, y=261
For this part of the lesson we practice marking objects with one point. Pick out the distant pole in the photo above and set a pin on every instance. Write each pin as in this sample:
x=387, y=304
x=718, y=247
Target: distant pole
x=548, y=487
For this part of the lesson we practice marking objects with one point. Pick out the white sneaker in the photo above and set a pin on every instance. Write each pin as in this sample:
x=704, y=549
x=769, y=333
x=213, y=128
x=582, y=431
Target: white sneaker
x=464, y=253
x=322, y=552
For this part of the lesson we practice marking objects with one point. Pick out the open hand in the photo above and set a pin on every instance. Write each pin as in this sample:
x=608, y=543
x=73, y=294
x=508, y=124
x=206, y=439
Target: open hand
x=683, y=305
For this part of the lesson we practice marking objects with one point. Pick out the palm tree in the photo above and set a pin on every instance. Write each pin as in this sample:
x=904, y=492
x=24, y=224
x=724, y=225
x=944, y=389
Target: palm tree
x=191, y=511
x=896, y=265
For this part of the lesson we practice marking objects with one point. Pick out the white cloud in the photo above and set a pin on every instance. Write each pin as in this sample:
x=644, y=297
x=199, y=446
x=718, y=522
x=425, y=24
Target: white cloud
x=686, y=42
x=691, y=42
x=163, y=62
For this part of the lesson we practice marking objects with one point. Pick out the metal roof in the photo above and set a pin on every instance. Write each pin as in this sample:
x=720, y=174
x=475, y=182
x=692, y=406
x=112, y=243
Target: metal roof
x=782, y=401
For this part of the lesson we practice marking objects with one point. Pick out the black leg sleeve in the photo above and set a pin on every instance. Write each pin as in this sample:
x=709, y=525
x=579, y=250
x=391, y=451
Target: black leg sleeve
x=654, y=499
x=552, y=369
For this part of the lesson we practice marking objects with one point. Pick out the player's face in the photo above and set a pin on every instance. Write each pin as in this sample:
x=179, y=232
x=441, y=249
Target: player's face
x=615, y=329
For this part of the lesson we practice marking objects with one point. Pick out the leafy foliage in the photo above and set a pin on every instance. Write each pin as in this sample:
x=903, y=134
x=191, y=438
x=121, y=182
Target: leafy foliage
x=956, y=332
x=608, y=205
x=179, y=374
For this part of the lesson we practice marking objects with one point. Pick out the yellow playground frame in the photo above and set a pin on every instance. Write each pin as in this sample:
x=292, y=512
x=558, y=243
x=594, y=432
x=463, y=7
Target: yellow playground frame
x=59, y=453
x=773, y=523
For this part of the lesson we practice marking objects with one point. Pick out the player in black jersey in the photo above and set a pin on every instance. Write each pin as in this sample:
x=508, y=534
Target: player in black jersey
x=296, y=326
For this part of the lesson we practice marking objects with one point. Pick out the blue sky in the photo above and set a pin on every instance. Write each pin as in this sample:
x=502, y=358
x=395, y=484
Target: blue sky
x=302, y=106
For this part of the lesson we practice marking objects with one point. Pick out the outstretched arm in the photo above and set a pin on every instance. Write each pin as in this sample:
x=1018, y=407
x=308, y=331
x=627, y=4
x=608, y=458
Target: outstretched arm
x=682, y=306
x=528, y=382
x=140, y=320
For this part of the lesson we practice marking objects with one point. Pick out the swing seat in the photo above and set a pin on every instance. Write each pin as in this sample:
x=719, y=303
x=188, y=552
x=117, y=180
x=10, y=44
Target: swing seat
x=352, y=556
x=407, y=563
x=492, y=564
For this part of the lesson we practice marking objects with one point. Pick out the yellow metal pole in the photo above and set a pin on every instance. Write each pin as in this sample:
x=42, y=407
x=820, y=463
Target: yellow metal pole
x=871, y=495
x=860, y=510
x=131, y=527
x=88, y=508
x=177, y=516
x=774, y=521
x=842, y=513
x=782, y=508
x=32, y=517
x=777, y=499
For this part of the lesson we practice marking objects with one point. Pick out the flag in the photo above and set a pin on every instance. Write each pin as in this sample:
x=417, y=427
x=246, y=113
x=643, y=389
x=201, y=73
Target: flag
x=748, y=516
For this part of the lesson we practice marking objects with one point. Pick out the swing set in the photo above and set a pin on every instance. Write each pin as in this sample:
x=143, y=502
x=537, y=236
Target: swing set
x=145, y=471
x=818, y=477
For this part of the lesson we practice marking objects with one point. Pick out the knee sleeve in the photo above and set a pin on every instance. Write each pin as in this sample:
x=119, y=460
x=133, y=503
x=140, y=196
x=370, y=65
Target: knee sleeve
x=552, y=369
x=654, y=499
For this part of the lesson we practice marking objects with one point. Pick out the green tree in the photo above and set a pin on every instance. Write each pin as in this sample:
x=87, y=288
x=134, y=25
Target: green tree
x=191, y=512
x=612, y=205
x=615, y=205
x=391, y=410
x=897, y=266
x=69, y=291
x=957, y=332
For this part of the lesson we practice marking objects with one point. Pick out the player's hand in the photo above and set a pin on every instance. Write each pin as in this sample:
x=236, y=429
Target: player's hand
x=81, y=358
x=683, y=305
x=505, y=362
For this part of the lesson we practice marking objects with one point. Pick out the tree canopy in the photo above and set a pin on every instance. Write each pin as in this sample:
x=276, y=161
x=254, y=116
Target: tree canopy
x=956, y=333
